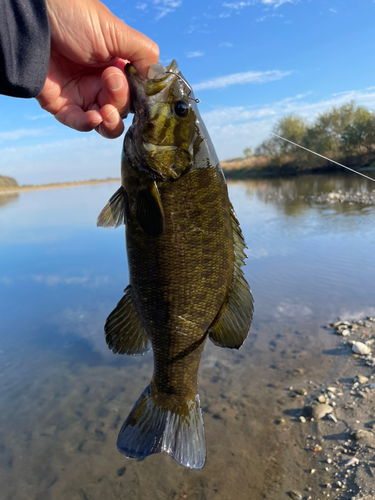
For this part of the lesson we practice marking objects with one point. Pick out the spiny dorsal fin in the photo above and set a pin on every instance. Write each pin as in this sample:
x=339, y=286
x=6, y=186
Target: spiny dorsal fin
x=123, y=330
x=113, y=214
x=232, y=324
x=149, y=210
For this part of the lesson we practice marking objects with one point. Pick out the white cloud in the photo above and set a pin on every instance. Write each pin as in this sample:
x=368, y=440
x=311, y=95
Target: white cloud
x=141, y=6
x=87, y=281
x=241, y=79
x=13, y=135
x=232, y=129
x=278, y=3
x=334, y=11
x=194, y=53
x=165, y=7
x=82, y=158
x=241, y=5
x=226, y=44
x=237, y=5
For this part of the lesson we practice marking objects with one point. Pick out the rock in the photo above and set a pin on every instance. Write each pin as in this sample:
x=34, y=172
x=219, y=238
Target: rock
x=362, y=434
x=360, y=348
x=353, y=461
x=321, y=410
x=345, y=332
x=321, y=398
x=301, y=391
x=280, y=421
x=372, y=386
x=361, y=379
x=302, y=419
x=296, y=495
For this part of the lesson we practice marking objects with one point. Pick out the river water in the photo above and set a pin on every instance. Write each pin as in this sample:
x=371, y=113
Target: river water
x=64, y=396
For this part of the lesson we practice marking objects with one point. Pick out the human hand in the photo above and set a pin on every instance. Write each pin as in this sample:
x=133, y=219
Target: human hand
x=86, y=87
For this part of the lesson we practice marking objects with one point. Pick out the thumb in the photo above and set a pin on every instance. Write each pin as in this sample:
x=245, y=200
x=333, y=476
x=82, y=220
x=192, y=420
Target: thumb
x=128, y=43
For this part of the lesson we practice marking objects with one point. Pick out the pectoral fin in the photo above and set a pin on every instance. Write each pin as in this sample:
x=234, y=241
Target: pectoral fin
x=113, y=214
x=149, y=210
x=123, y=330
x=233, y=321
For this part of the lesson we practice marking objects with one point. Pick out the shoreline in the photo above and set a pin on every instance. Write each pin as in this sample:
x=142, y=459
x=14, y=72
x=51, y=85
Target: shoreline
x=54, y=185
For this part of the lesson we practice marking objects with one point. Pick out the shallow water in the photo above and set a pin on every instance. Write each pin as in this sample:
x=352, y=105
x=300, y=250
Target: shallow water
x=64, y=395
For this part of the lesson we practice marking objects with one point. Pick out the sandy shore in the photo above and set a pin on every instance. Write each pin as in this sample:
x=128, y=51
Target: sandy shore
x=57, y=185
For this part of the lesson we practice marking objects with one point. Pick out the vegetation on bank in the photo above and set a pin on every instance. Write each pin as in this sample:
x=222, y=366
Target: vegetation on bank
x=345, y=134
x=7, y=182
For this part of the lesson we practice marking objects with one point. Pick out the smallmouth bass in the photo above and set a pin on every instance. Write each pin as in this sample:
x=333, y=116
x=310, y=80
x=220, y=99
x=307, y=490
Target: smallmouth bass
x=185, y=252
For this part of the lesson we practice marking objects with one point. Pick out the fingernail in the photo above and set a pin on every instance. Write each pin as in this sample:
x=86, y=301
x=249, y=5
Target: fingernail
x=112, y=118
x=114, y=81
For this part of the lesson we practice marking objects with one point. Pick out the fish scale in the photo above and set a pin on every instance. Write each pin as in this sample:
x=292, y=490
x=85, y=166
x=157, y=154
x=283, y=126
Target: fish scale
x=185, y=253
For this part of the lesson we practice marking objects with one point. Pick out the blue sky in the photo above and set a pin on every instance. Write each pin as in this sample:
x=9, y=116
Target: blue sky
x=250, y=62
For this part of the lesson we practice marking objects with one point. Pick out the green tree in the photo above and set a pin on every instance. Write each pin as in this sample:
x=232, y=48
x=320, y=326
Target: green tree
x=360, y=134
x=291, y=127
x=248, y=152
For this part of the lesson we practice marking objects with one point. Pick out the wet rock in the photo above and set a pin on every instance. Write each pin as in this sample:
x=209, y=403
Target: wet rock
x=321, y=410
x=301, y=391
x=295, y=495
x=362, y=434
x=360, y=348
x=361, y=379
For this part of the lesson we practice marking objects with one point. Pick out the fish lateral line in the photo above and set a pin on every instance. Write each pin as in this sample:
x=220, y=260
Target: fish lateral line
x=325, y=157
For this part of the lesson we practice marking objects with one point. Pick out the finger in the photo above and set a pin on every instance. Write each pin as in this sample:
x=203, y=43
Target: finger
x=132, y=45
x=115, y=90
x=74, y=117
x=112, y=125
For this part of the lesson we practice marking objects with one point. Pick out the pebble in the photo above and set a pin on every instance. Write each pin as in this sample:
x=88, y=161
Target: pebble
x=322, y=399
x=296, y=495
x=372, y=386
x=302, y=419
x=361, y=379
x=362, y=434
x=321, y=410
x=352, y=462
x=360, y=348
x=280, y=421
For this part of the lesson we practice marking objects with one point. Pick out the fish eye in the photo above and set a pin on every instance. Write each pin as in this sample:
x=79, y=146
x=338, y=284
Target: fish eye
x=181, y=108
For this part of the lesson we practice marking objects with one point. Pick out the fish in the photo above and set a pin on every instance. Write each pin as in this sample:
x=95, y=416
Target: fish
x=185, y=254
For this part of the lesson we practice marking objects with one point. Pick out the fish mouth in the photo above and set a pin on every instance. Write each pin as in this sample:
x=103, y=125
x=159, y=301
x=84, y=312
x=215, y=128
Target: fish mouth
x=142, y=88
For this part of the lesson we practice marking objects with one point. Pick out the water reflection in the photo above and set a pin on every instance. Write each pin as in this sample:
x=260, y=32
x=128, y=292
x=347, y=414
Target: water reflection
x=291, y=195
x=8, y=198
x=64, y=395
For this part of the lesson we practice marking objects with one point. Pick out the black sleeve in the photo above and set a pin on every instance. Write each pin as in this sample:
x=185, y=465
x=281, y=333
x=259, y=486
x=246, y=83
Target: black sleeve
x=24, y=47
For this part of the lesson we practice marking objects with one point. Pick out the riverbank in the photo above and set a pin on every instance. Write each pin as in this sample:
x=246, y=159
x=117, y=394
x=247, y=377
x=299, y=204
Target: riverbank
x=280, y=166
x=55, y=185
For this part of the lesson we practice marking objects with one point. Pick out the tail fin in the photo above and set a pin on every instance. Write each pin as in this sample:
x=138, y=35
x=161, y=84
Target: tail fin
x=151, y=428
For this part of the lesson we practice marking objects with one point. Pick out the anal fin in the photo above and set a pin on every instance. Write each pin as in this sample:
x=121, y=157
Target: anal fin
x=123, y=330
x=113, y=214
x=232, y=324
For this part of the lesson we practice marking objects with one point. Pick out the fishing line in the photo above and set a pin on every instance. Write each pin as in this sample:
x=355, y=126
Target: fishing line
x=299, y=146
x=321, y=156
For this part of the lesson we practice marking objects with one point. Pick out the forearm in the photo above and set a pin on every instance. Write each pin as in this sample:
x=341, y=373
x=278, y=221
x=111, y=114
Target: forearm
x=24, y=47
